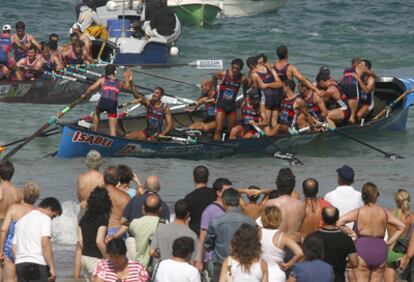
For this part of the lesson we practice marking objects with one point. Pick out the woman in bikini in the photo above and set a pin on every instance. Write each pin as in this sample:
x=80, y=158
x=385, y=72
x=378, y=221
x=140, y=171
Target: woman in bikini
x=369, y=229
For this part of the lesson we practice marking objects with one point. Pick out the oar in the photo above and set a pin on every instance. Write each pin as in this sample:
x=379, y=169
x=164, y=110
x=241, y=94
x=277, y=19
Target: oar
x=387, y=155
x=46, y=133
x=200, y=64
x=393, y=103
x=166, y=78
x=86, y=71
x=101, y=50
x=51, y=121
x=280, y=154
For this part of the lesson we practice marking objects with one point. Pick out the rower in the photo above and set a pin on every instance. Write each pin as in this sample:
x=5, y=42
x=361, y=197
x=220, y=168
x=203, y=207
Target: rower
x=315, y=105
x=338, y=109
x=108, y=102
x=291, y=107
x=269, y=82
x=366, y=85
x=226, y=108
x=30, y=67
x=5, y=52
x=22, y=42
x=83, y=36
x=287, y=71
x=208, y=99
x=253, y=114
x=157, y=113
x=51, y=61
x=90, y=21
x=349, y=86
x=76, y=54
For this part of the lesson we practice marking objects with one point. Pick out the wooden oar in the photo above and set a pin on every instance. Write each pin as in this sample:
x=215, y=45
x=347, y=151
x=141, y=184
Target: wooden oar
x=279, y=154
x=387, y=155
x=52, y=120
x=393, y=103
x=46, y=133
x=101, y=50
x=165, y=78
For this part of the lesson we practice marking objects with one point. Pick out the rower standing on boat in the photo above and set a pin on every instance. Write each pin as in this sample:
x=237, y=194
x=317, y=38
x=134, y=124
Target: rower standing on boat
x=333, y=96
x=157, y=113
x=268, y=82
x=90, y=21
x=30, y=67
x=291, y=107
x=207, y=98
x=226, y=108
x=366, y=85
x=22, y=42
x=5, y=52
x=108, y=102
x=253, y=114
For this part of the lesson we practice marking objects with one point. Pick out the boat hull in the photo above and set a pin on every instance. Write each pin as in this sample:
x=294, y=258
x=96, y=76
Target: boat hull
x=41, y=91
x=195, y=12
x=242, y=8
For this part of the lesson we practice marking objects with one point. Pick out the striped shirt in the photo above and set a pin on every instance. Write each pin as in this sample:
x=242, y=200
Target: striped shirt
x=105, y=271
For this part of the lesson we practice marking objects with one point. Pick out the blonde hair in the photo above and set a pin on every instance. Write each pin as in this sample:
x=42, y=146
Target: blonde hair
x=271, y=217
x=402, y=198
x=30, y=192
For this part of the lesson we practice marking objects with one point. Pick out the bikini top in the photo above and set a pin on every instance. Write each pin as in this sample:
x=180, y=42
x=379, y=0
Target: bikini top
x=356, y=228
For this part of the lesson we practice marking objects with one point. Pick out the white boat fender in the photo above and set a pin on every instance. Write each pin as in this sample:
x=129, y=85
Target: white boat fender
x=174, y=51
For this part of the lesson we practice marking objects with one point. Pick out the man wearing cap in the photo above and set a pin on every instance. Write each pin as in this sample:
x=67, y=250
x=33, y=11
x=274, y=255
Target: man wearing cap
x=22, y=42
x=83, y=36
x=86, y=183
x=90, y=22
x=345, y=197
x=5, y=48
x=253, y=115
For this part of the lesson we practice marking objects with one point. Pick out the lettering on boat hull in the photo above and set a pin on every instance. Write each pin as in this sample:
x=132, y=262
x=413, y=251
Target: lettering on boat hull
x=91, y=139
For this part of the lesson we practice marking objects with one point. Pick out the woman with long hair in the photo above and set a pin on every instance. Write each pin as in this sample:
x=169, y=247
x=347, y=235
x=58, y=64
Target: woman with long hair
x=370, y=223
x=244, y=262
x=274, y=242
x=403, y=212
x=313, y=268
x=92, y=230
x=14, y=213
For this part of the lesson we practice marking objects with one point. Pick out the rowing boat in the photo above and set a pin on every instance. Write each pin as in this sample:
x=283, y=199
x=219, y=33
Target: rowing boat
x=76, y=140
x=41, y=91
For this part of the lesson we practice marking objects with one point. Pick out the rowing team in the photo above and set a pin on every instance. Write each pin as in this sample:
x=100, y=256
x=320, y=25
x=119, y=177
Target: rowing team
x=270, y=104
x=22, y=57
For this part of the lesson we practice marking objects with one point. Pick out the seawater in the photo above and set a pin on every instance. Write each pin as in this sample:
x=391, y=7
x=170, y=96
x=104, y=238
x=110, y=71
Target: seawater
x=316, y=32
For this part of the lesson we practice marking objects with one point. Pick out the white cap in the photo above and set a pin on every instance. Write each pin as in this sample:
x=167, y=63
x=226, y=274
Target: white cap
x=6, y=27
x=77, y=26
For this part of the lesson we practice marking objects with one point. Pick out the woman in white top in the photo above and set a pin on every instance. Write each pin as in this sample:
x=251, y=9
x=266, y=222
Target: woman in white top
x=274, y=243
x=244, y=263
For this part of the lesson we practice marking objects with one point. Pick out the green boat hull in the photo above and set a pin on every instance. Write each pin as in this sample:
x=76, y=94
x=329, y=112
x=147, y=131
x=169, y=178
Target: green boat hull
x=196, y=14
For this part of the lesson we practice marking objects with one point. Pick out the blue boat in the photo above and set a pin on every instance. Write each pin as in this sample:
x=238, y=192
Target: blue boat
x=77, y=141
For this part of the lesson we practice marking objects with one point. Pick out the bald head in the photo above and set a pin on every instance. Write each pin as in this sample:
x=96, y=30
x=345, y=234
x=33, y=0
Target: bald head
x=152, y=184
x=152, y=204
x=330, y=215
x=310, y=187
x=206, y=86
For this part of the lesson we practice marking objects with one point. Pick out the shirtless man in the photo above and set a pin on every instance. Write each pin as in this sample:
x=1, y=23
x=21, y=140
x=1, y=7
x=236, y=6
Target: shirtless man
x=157, y=114
x=30, y=67
x=252, y=207
x=86, y=183
x=84, y=37
x=118, y=197
x=313, y=207
x=267, y=80
x=22, y=42
x=338, y=109
x=287, y=71
x=208, y=98
x=291, y=108
x=9, y=195
x=293, y=210
x=226, y=107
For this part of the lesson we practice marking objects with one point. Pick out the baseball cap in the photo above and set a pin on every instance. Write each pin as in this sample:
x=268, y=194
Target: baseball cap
x=346, y=172
x=6, y=27
x=93, y=159
x=77, y=26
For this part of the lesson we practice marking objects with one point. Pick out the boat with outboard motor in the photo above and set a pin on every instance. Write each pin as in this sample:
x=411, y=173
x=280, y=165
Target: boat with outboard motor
x=126, y=46
x=77, y=140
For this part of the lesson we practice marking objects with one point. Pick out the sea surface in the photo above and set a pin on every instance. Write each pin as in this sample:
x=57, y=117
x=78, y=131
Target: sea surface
x=316, y=32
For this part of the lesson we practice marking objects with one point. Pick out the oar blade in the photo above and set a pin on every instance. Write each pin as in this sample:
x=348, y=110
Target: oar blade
x=208, y=64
